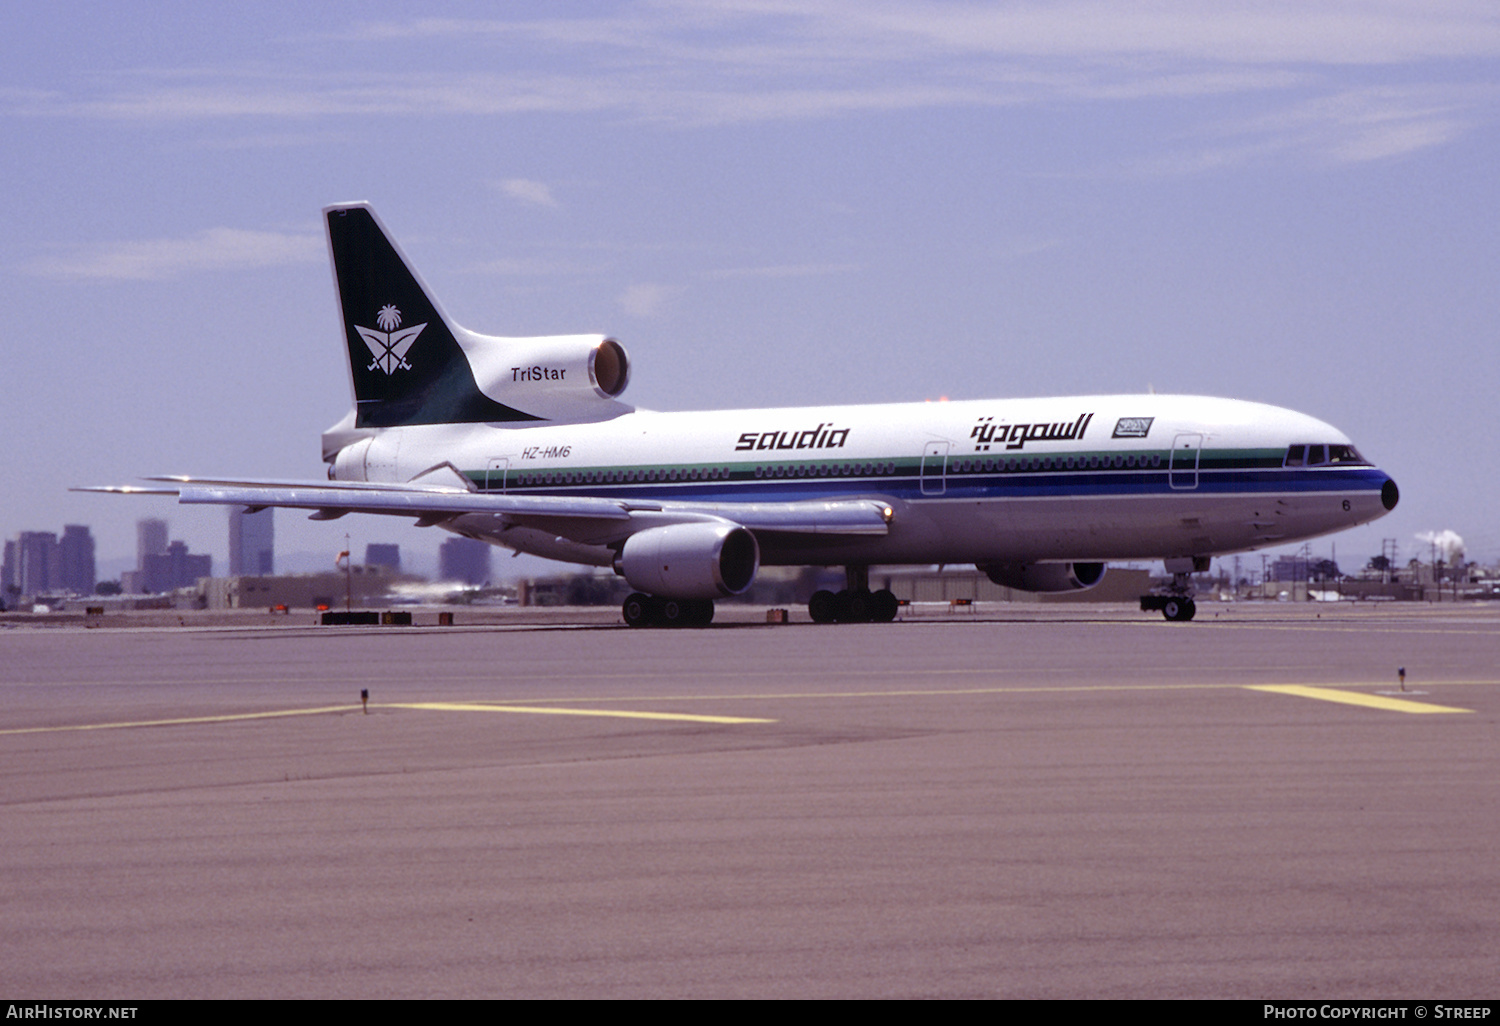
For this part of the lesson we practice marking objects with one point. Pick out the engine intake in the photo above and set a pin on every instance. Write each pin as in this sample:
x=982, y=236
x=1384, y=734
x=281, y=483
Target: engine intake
x=690, y=561
x=1045, y=577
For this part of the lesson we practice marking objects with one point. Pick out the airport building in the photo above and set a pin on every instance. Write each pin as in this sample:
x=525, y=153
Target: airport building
x=361, y=586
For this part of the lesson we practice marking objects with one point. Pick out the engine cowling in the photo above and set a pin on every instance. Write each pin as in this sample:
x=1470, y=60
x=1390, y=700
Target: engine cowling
x=690, y=561
x=1045, y=577
x=559, y=377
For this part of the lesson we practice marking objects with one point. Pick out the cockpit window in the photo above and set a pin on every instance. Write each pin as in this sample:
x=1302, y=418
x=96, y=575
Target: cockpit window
x=1324, y=456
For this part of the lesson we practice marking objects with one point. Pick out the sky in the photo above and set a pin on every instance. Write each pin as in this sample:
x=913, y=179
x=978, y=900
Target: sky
x=770, y=202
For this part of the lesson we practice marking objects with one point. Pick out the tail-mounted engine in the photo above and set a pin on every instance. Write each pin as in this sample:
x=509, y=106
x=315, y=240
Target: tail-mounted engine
x=562, y=377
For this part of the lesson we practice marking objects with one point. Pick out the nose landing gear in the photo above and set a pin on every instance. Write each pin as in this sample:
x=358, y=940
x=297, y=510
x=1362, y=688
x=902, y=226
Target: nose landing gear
x=1176, y=602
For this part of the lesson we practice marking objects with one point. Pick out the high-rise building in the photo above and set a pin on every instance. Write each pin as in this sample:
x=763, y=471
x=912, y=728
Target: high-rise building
x=38, y=567
x=150, y=540
x=10, y=589
x=465, y=560
x=251, y=542
x=383, y=555
x=76, y=552
x=175, y=568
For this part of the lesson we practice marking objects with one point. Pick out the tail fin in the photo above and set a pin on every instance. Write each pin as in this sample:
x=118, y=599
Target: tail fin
x=404, y=356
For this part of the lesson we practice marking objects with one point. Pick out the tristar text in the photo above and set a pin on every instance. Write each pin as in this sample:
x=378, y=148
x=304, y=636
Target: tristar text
x=537, y=373
x=1014, y=436
x=824, y=436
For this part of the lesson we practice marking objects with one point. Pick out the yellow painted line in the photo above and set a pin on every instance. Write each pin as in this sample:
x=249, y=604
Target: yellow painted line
x=627, y=714
x=185, y=720
x=1356, y=698
x=1017, y=689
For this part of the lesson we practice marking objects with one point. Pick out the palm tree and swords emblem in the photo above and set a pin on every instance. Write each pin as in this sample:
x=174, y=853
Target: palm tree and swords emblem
x=388, y=345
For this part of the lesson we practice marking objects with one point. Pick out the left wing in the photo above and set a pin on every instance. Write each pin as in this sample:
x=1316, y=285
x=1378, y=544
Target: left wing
x=582, y=518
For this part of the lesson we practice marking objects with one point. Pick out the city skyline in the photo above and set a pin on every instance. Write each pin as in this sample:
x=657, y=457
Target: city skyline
x=770, y=204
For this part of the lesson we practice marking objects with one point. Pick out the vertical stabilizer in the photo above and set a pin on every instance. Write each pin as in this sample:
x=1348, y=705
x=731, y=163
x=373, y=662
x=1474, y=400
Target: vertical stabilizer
x=404, y=357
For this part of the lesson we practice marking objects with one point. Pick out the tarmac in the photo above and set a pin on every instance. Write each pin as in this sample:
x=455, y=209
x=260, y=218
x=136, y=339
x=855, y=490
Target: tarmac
x=999, y=801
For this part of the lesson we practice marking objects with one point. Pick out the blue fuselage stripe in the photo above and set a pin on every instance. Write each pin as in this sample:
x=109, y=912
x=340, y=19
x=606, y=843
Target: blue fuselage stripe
x=981, y=487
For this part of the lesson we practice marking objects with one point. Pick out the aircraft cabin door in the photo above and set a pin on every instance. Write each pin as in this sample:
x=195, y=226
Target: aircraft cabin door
x=935, y=468
x=494, y=475
x=1186, y=449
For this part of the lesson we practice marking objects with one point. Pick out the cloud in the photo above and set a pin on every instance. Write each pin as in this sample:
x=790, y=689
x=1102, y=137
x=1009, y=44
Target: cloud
x=780, y=271
x=687, y=63
x=646, y=299
x=1344, y=127
x=525, y=190
x=1448, y=545
x=217, y=249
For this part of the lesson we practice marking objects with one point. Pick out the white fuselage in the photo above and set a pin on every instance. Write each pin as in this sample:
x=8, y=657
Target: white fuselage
x=1092, y=478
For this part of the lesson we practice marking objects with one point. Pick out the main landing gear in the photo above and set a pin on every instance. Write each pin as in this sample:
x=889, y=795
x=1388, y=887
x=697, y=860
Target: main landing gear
x=854, y=604
x=1176, y=604
x=651, y=611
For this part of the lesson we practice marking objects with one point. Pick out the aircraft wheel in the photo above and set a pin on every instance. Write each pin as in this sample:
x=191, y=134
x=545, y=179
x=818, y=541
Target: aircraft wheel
x=637, y=610
x=857, y=606
x=702, y=613
x=883, y=606
x=675, y=612
x=822, y=607
x=1179, y=610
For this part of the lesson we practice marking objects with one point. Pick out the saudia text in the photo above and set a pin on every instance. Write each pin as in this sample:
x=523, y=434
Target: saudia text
x=1014, y=436
x=824, y=436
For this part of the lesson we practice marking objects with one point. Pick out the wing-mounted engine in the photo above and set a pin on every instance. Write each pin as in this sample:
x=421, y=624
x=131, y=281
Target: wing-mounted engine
x=690, y=561
x=1045, y=577
x=561, y=377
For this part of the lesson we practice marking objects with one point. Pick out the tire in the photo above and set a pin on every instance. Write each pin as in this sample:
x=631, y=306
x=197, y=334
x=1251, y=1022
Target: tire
x=637, y=610
x=883, y=606
x=858, y=606
x=822, y=607
x=1172, y=609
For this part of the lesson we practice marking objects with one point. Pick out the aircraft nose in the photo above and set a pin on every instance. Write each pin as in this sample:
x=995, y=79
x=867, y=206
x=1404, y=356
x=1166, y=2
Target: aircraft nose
x=1389, y=494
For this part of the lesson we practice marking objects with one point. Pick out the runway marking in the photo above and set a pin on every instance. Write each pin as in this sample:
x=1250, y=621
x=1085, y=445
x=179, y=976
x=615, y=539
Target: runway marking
x=627, y=714
x=1330, y=693
x=227, y=718
x=961, y=692
x=1356, y=698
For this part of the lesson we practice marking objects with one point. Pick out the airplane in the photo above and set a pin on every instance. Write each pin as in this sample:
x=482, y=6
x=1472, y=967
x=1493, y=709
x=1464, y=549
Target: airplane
x=525, y=443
